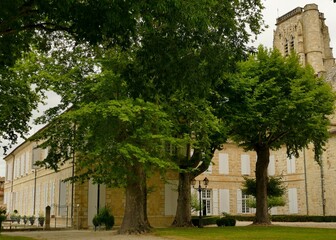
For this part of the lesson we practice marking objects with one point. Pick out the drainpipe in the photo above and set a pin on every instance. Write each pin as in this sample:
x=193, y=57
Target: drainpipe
x=322, y=186
x=305, y=176
x=12, y=184
x=73, y=174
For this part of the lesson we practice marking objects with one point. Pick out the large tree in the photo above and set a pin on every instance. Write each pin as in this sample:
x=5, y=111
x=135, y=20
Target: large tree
x=24, y=23
x=180, y=51
x=117, y=140
x=184, y=50
x=275, y=103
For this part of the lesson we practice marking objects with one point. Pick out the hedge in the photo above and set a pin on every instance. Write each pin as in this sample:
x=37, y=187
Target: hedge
x=206, y=220
x=290, y=218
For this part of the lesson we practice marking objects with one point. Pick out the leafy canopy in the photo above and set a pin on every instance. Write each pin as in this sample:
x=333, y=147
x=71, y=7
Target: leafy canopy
x=274, y=101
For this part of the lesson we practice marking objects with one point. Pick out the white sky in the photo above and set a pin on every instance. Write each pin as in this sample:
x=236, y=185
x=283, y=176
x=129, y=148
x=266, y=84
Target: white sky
x=273, y=9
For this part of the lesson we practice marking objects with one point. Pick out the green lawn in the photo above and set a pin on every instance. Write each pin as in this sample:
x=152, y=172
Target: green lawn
x=3, y=237
x=248, y=233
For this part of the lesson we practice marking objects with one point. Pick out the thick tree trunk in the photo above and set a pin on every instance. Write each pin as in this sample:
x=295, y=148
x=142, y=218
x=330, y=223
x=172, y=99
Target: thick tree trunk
x=183, y=210
x=134, y=221
x=262, y=216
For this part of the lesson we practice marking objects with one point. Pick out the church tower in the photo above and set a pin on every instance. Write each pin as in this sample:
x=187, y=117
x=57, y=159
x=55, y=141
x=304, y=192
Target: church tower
x=303, y=30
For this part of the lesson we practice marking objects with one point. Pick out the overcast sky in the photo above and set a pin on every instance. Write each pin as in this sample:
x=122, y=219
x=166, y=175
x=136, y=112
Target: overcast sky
x=273, y=10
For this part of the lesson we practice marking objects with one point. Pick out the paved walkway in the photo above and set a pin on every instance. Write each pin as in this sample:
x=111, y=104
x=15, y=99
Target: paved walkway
x=81, y=235
x=104, y=235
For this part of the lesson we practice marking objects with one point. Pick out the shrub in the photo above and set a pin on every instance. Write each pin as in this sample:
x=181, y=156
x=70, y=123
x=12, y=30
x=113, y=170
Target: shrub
x=226, y=221
x=290, y=218
x=206, y=220
x=104, y=217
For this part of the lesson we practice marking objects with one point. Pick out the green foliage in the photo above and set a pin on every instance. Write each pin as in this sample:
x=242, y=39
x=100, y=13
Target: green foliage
x=124, y=106
x=3, y=210
x=272, y=102
x=271, y=202
x=226, y=222
x=206, y=220
x=104, y=217
x=276, y=102
x=303, y=218
x=195, y=204
x=290, y=218
x=275, y=187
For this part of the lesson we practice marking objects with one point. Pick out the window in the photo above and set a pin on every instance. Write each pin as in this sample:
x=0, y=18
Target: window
x=292, y=43
x=223, y=159
x=286, y=47
x=245, y=164
x=242, y=203
x=207, y=199
x=245, y=208
x=291, y=164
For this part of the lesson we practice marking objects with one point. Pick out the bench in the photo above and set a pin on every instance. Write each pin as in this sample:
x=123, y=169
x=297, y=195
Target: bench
x=9, y=223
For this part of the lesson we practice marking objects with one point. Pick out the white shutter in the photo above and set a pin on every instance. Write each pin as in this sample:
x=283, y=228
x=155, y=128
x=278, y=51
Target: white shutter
x=46, y=193
x=26, y=201
x=171, y=198
x=224, y=201
x=45, y=152
x=274, y=210
x=239, y=201
x=32, y=198
x=271, y=166
x=245, y=164
x=215, y=202
x=9, y=171
x=209, y=170
x=291, y=164
x=27, y=162
x=223, y=159
x=36, y=157
x=22, y=162
x=52, y=196
x=292, y=199
x=38, y=199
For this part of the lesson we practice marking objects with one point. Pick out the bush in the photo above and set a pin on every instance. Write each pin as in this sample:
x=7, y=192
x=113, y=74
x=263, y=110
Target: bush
x=303, y=218
x=290, y=218
x=226, y=221
x=206, y=220
x=104, y=217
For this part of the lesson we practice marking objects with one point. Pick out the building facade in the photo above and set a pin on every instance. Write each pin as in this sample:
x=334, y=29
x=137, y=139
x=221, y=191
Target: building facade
x=304, y=31
x=30, y=189
x=311, y=188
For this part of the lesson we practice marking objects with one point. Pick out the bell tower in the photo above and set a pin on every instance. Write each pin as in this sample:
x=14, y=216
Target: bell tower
x=304, y=31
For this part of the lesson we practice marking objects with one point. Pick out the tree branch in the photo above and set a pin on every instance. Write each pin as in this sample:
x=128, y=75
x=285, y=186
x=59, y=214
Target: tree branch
x=49, y=27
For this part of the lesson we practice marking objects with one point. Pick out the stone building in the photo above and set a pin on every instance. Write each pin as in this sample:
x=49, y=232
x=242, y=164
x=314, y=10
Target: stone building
x=30, y=189
x=304, y=31
x=310, y=187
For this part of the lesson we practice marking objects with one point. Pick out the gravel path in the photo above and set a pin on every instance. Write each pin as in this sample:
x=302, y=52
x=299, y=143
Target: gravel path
x=81, y=235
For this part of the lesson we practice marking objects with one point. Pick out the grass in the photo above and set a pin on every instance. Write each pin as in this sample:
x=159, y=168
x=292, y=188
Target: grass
x=248, y=233
x=4, y=237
